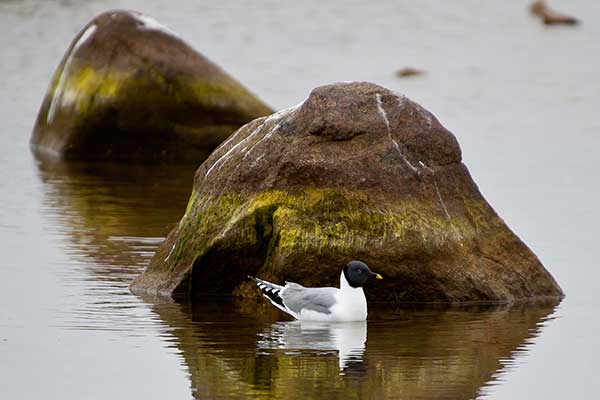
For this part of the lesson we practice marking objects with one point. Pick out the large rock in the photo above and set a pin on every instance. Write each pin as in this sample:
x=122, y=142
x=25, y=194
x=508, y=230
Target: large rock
x=129, y=88
x=354, y=172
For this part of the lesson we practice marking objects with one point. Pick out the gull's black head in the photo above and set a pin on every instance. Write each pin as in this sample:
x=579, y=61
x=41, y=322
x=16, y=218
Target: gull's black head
x=357, y=273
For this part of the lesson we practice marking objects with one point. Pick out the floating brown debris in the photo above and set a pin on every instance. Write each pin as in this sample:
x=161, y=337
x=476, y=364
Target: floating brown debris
x=551, y=17
x=408, y=72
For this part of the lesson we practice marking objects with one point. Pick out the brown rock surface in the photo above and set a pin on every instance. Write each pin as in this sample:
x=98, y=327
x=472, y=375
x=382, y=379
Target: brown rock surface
x=130, y=89
x=354, y=172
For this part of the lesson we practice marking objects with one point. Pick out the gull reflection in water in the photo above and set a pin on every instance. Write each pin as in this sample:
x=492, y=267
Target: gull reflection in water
x=347, y=338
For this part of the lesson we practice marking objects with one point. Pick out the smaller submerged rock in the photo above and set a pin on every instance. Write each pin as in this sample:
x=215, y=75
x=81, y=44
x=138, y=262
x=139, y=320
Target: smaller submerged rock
x=129, y=88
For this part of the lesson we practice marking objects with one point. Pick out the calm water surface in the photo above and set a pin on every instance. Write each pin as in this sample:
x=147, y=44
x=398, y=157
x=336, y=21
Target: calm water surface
x=522, y=100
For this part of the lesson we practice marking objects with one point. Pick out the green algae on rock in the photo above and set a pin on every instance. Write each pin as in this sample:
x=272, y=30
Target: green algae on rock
x=128, y=88
x=354, y=172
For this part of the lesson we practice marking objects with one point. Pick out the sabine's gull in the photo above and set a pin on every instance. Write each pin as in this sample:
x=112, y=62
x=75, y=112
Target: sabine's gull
x=348, y=303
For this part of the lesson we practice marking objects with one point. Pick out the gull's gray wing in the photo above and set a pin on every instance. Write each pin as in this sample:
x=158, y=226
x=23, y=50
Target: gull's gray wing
x=297, y=298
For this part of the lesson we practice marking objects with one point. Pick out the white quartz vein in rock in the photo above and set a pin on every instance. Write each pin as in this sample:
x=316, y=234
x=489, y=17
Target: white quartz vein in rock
x=456, y=232
x=246, y=151
x=227, y=154
x=383, y=114
x=170, y=252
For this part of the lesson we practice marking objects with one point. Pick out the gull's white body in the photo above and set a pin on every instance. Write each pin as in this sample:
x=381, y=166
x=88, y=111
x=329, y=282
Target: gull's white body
x=348, y=304
x=351, y=303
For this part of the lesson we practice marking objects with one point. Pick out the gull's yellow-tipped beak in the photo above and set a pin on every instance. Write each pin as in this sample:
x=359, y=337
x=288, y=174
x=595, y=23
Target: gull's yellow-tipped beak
x=378, y=276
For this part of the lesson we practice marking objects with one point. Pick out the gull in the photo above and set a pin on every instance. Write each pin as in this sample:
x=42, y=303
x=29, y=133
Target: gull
x=325, y=304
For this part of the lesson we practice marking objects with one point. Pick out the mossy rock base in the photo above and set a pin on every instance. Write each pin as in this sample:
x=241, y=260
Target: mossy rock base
x=355, y=172
x=130, y=89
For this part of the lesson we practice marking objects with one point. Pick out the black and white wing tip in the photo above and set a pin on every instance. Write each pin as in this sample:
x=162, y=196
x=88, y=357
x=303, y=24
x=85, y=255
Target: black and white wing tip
x=271, y=291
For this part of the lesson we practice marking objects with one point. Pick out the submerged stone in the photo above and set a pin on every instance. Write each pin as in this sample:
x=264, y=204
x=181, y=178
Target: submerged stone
x=354, y=172
x=128, y=88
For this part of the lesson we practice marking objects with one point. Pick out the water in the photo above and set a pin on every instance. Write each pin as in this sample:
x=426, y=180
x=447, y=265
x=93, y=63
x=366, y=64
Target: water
x=522, y=100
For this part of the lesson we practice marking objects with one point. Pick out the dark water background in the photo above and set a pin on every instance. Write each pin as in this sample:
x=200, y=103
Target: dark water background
x=522, y=100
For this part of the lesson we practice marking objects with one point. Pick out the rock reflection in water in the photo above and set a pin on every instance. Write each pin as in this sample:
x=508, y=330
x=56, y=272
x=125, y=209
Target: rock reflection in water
x=108, y=219
x=114, y=213
x=416, y=354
